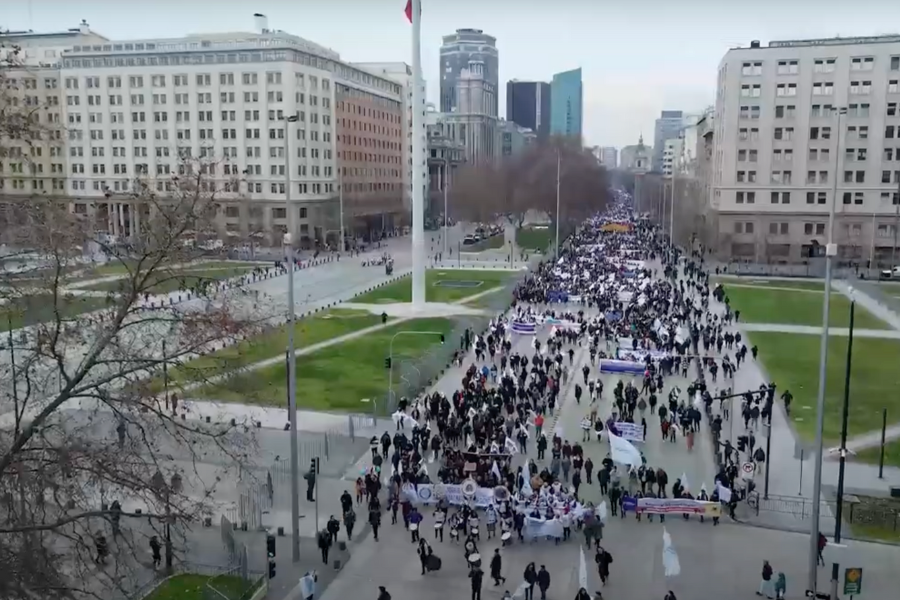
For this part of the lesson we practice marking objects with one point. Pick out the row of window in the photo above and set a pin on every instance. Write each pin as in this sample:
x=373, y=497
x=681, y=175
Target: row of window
x=786, y=177
x=201, y=79
x=851, y=229
x=817, y=155
x=201, y=98
x=857, y=198
x=786, y=134
x=822, y=65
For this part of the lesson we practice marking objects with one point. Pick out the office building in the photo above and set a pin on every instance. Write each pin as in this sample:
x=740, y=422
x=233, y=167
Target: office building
x=528, y=105
x=135, y=108
x=609, y=157
x=783, y=150
x=445, y=156
x=32, y=167
x=672, y=158
x=457, y=52
x=566, y=101
x=668, y=126
x=514, y=138
x=472, y=121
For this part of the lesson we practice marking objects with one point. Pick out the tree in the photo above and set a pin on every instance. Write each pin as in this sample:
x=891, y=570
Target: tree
x=82, y=422
x=527, y=182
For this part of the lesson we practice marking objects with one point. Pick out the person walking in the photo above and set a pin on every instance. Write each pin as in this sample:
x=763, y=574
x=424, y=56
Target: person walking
x=496, y=568
x=375, y=519
x=310, y=477
x=324, y=544
x=603, y=560
x=155, y=551
x=349, y=523
x=766, y=585
x=530, y=579
x=383, y=593
x=477, y=576
x=543, y=581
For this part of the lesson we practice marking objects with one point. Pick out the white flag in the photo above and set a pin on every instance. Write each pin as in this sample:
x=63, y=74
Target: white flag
x=511, y=446
x=669, y=556
x=601, y=511
x=623, y=451
x=684, y=482
x=496, y=471
x=582, y=569
x=526, y=488
x=724, y=493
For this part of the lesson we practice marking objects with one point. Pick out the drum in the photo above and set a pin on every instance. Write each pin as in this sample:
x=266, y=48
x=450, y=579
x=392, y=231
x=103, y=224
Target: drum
x=454, y=533
x=474, y=559
x=438, y=525
x=474, y=531
x=506, y=536
x=413, y=527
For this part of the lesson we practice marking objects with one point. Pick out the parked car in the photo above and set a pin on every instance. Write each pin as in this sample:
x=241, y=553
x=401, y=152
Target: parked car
x=890, y=273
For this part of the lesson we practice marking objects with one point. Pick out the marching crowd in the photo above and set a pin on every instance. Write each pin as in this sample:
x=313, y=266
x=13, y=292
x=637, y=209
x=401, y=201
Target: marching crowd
x=455, y=457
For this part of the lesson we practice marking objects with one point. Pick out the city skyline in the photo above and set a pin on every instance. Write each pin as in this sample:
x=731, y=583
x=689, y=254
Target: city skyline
x=622, y=97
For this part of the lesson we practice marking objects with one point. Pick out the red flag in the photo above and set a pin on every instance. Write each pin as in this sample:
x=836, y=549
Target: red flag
x=408, y=10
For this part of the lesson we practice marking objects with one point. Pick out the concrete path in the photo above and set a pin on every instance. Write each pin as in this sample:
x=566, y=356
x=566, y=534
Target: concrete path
x=888, y=334
x=775, y=288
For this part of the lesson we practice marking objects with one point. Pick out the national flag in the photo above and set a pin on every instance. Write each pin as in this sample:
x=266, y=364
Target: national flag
x=408, y=10
x=623, y=451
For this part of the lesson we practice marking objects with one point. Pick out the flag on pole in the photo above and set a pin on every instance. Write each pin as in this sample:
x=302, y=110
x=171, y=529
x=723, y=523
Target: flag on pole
x=684, y=481
x=408, y=10
x=582, y=569
x=623, y=451
x=669, y=556
x=496, y=471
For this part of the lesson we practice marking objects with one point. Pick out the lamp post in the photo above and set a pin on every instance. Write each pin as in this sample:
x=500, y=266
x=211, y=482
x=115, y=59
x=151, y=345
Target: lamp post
x=444, y=182
x=558, y=165
x=390, y=359
x=291, y=350
x=164, y=490
x=340, y=207
x=830, y=253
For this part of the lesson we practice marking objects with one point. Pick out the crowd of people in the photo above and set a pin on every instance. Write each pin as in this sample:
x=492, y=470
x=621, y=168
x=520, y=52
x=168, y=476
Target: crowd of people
x=455, y=456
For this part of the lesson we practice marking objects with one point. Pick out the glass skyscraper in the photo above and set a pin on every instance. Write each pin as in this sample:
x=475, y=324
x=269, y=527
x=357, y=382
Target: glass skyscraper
x=566, y=99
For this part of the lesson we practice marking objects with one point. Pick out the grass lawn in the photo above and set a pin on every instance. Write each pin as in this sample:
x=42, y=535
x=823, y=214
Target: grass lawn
x=167, y=280
x=41, y=308
x=401, y=291
x=799, y=284
x=758, y=305
x=337, y=377
x=534, y=238
x=891, y=454
x=874, y=518
x=308, y=331
x=792, y=361
x=193, y=587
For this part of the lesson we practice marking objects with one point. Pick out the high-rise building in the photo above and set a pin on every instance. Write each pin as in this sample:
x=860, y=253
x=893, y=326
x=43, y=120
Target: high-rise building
x=528, y=105
x=566, y=100
x=609, y=157
x=457, y=51
x=135, y=108
x=668, y=126
x=472, y=122
x=799, y=125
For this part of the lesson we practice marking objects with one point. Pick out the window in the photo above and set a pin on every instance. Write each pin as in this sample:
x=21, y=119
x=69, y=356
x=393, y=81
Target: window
x=204, y=79
x=754, y=68
x=825, y=65
x=854, y=176
x=782, y=177
x=780, y=197
x=892, y=109
x=815, y=197
x=226, y=78
x=786, y=89
x=825, y=88
x=820, y=228
x=894, y=86
x=862, y=64
x=858, y=110
x=785, y=111
x=860, y=87
x=784, y=133
x=747, y=91
x=886, y=176
x=788, y=67
x=136, y=81
x=895, y=63
x=894, y=197
x=808, y=228
x=889, y=132
x=158, y=80
x=745, y=197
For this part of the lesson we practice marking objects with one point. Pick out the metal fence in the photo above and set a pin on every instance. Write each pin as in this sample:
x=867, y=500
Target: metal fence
x=414, y=374
x=854, y=512
x=214, y=587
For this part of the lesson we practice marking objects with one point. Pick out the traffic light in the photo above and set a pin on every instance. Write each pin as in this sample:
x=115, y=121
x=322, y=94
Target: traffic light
x=270, y=545
x=271, y=567
x=315, y=465
x=387, y=363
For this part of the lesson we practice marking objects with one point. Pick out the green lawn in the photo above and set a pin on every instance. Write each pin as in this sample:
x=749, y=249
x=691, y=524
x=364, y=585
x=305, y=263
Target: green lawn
x=891, y=454
x=41, y=308
x=759, y=305
x=799, y=284
x=167, y=280
x=535, y=238
x=401, y=291
x=308, y=331
x=193, y=587
x=792, y=361
x=337, y=377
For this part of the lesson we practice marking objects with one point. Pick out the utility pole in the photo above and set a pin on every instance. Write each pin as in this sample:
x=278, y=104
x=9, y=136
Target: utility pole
x=558, y=165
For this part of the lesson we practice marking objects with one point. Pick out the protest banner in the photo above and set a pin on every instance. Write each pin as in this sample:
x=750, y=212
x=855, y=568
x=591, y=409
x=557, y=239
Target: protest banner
x=662, y=506
x=633, y=432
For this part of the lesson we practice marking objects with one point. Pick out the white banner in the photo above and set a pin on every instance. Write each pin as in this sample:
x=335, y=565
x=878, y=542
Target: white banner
x=428, y=493
x=633, y=432
x=542, y=527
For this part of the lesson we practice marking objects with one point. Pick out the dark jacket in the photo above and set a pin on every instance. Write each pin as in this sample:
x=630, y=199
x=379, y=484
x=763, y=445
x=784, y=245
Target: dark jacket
x=543, y=579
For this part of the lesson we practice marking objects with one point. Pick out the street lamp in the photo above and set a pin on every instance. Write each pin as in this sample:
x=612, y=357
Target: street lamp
x=164, y=490
x=830, y=253
x=558, y=164
x=340, y=207
x=291, y=350
x=444, y=181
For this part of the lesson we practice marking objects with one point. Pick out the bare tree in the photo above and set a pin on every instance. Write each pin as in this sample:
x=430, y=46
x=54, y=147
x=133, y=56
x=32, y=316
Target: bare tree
x=81, y=423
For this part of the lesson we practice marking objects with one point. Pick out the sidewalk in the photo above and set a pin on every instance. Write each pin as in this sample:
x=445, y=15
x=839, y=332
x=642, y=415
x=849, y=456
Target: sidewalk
x=885, y=334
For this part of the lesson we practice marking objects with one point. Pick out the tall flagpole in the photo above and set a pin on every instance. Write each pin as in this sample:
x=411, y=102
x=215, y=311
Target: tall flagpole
x=418, y=155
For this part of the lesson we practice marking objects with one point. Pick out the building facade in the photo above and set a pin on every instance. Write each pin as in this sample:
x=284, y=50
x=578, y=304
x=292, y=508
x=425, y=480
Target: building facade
x=799, y=125
x=514, y=139
x=528, y=105
x=473, y=123
x=32, y=81
x=629, y=155
x=136, y=109
x=566, y=102
x=445, y=156
x=672, y=158
x=668, y=126
x=457, y=51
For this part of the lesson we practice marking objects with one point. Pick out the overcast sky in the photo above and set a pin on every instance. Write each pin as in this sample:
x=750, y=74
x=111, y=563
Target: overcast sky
x=637, y=57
